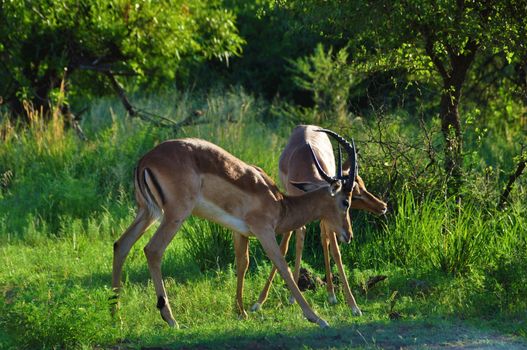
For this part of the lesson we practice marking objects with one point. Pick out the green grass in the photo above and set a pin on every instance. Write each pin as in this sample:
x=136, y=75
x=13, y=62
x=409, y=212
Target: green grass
x=56, y=295
x=66, y=201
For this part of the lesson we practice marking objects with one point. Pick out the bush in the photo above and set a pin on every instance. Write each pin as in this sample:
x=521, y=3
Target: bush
x=328, y=77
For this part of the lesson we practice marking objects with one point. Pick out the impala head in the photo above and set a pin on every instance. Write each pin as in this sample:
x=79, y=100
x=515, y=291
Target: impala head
x=364, y=200
x=341, y=187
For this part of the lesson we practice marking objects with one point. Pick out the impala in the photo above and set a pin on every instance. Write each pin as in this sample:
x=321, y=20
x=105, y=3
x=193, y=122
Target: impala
x=298, y=175
x=184, y=177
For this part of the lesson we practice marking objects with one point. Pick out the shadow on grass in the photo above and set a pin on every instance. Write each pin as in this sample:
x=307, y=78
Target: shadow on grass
x=181, y=270
x=402, y=334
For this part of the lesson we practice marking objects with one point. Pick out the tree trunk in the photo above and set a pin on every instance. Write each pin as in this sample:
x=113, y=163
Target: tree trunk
x=453, y=81
x=451, y=130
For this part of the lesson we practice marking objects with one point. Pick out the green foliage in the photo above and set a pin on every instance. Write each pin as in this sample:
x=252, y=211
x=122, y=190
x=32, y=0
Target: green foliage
x=274, y=36
x=47, y=41
x=397, y=32
x=328, y=77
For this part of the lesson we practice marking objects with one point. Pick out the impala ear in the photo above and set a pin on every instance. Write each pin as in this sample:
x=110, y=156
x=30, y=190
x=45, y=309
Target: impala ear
x=335, y=187
x=307, y=186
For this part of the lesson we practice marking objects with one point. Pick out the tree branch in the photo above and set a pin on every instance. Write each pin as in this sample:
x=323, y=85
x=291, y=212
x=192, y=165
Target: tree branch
x=157, y=120
x=121, y=93
x=429, y=48
x=512, y=179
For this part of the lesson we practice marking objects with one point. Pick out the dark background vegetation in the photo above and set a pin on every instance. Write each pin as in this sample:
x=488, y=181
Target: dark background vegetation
x=434, y=92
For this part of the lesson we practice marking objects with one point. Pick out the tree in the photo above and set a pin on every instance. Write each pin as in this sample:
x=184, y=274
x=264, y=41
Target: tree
x=44, y=42
x=437, y=41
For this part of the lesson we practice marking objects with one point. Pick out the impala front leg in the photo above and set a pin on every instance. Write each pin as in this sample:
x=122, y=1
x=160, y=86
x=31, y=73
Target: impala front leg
x=241, y=249
x=345, y=285
x=325, y=241
x=300, y=236
x=268, y=240
x=284, y=245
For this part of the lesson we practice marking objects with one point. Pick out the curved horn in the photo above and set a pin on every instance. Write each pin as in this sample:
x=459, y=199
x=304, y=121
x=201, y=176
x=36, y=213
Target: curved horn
x=356, y=158
x=352, y=155
x=322, y=173
x=354, y=164
x=339, y=164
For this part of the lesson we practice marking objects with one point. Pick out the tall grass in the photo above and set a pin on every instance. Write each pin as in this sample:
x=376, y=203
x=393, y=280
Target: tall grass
x=471, y=260
x=209, y=244
x=435, y=234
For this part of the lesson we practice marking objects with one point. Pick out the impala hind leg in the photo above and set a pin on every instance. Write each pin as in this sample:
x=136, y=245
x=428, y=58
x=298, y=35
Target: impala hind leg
x=268, y=240
x=122, y=247
x=335, y=252
x=241, y=249
x=154, y=253
x=284, y=245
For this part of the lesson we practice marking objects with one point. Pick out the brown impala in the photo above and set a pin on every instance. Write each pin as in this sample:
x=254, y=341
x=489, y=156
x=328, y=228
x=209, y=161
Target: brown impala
x=300, y=173
x=186, y=177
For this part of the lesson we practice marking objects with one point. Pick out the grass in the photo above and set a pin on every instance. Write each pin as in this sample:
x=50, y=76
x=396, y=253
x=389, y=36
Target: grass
x=64, y=201
x=56, y=295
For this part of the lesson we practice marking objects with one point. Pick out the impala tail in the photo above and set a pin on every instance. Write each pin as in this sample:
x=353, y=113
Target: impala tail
x=149, y=192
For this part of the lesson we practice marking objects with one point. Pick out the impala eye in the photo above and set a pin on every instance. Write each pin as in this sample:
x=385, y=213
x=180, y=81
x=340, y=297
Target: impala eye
x=345, y=203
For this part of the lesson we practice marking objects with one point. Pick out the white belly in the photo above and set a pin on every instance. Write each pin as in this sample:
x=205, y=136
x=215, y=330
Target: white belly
x=214, y=213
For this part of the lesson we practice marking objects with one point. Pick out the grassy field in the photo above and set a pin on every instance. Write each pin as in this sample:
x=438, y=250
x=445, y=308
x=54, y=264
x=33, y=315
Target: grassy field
x=456, y=277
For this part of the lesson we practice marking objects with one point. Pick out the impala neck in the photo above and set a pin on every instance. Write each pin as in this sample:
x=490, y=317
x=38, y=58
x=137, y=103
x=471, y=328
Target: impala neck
x=300, y=210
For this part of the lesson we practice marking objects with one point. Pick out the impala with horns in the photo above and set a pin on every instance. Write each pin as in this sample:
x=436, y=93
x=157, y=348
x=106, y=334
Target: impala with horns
x=300, y=173
x=182, y=177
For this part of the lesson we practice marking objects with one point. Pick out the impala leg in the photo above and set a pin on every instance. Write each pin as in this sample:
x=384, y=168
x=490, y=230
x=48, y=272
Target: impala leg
x=324, y=239
x=154, y=252
x=241, y=248
x=122, y=247
x=284, y=245
x=268, y=241
x=300, y=236
x=345, y=285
